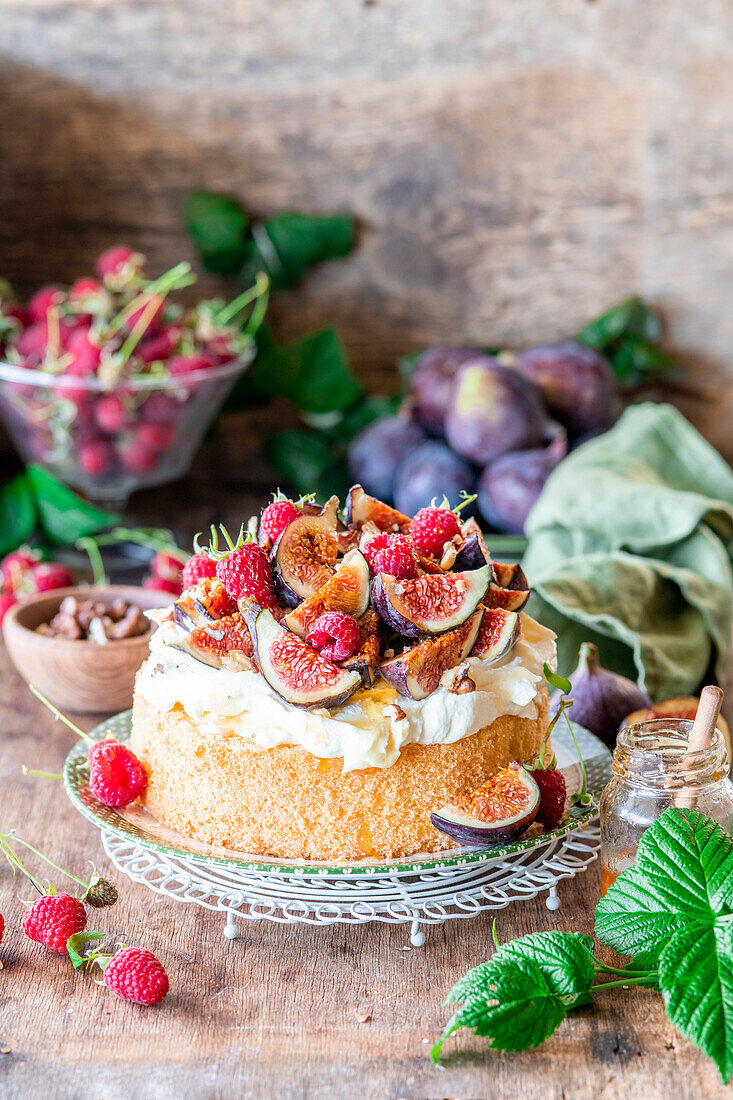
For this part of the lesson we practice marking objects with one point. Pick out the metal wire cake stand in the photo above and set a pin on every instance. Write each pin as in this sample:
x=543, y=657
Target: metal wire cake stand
x=415, y=898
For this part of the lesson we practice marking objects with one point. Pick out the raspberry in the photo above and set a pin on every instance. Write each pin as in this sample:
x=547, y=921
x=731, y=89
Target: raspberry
x=196, y=569
x=136, y=976
x=432, y=528
x=116, y=776
x=160, y=345
x=158, y=437
x=150, y=310
x=187, y=364
x=89, y=296
x=373, y=546
x=7, y=600
x=15, y=565
x=52, y=918
x=553, y=793
x=43, y=300
x=137, y=458
x=335, y=635
x=2, y=927
x=97, y=458
x=163, y=584
x=276, y=517
x=119, y=265
x=166, y=565
x=50, y=575
x=397, y=559
x=245, y=572
x=159, y=407
x=85, y=353
x=110, y=413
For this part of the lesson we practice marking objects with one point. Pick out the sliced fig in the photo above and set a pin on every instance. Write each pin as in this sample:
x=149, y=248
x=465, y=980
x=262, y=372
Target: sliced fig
x=205, y=655
x=509, y=590
x=416, y=672
x=497, y=812
x=212, y=643
x=361, y=509
x=498, y=634
x=293, y=669
x=347, y=590
x=430, y=604
x=203, y=604
x=304, y=555
x=365, y=659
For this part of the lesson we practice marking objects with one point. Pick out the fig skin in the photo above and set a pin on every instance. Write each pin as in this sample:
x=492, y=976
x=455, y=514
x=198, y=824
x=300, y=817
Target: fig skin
x=337, y=684
x=601, y=699
x=376, y=453
x=303, y=536
x=365, y=660
x=494, y=409
x=416, y=672
x=428, y=473
x=388, y=600
x=347, y=590
x=509, y=488
x=475, y=833
x=577, y=384
x=431, y=385
x=497, y=636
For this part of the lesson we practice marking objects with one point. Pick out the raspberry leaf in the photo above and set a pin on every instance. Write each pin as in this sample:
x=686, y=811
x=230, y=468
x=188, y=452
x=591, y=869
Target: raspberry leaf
x=683, y=874
x=63, y=515
x=696, y=980
x=17, y=514
x=217, y=225
x=521, y=995
x=75, y=946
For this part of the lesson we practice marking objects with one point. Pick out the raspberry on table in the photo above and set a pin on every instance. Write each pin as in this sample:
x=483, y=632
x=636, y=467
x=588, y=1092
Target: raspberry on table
x=7, y=600
x=432, y=527
x=553, y=792
x=276, y=518
x=163, y=584
x=197, y=568
x=397, y=559
x=136, y=976
x=15, y=565
x=116, y=776
x=51, y=919
x=245, y=573
x=335, y=635
x=47, y=576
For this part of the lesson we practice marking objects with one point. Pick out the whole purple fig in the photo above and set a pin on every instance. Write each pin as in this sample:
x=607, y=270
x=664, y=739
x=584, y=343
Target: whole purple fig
x=577, y=384
x=431, y=470
x=493, y=410
x=509, y=487
x=377, y=451
x=601, y=699
x=431, y=385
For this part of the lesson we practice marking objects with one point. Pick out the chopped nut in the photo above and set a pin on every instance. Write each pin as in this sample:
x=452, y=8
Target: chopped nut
x=463, y=684
x=94, y=619
x=392, y=710
x=363, y=1017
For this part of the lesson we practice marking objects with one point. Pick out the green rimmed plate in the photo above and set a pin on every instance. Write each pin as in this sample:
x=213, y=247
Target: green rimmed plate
x=135, y=824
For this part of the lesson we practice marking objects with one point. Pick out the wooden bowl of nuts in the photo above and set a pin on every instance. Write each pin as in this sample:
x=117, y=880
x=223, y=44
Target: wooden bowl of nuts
x=82, y=646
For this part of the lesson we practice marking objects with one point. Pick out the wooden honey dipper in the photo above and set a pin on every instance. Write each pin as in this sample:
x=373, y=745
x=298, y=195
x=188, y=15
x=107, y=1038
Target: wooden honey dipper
x=701, y=736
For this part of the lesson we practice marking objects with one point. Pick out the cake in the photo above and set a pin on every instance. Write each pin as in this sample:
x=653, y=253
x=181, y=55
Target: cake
x=259, y=740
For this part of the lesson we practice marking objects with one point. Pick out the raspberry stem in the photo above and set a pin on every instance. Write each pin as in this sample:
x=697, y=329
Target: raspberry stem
x=62, y=717
x=43, y=775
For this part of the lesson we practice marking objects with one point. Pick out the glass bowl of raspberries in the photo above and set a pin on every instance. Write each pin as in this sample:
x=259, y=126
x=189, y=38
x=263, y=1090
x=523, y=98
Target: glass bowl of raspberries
x=110, y=384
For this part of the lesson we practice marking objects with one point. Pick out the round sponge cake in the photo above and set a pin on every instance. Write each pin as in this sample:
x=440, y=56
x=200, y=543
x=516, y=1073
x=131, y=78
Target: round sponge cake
x=222, y=788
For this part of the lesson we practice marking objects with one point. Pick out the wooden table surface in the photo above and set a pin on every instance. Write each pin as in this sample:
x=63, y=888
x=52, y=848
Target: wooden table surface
x=277, y=1012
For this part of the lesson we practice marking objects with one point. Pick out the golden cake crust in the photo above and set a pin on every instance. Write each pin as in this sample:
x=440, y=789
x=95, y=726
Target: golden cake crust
x=223, y=789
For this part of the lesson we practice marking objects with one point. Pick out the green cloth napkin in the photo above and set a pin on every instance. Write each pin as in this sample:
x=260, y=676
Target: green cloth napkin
x=630, y=546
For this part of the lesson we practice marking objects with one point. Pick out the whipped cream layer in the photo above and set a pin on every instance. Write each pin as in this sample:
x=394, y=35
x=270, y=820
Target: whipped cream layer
x=368, y=730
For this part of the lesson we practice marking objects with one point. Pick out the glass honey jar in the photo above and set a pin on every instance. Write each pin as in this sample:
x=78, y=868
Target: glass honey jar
x=653, y=770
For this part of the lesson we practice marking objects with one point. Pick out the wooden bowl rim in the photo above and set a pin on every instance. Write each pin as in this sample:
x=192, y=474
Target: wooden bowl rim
x=145, y=598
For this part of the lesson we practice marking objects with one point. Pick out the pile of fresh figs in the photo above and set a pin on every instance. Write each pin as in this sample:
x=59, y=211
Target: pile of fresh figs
x=494, y=426
x=457, y=604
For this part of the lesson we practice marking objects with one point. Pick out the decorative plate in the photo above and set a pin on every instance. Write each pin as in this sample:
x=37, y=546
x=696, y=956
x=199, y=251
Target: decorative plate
x=136, y=824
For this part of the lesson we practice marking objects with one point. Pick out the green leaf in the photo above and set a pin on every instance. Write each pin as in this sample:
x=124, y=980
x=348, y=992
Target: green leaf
x=696, y=980
x=644, y=961
x=75, y=946
x=301, y=457
x=683, y=873
x=63, y=515
x=555, y=680
x=634, y=361
x=285, y=245
x=629, y=317
x=311, y=372
x=217, y=226
x=17, y=514
x=521, y=995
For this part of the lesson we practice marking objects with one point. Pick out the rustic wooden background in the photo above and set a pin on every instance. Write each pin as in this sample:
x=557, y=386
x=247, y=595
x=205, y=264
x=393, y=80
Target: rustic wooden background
x=515, y=167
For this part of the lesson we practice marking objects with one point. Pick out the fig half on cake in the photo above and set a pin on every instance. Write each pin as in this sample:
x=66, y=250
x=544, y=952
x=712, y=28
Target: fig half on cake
x=497, y=812
x=292, y=668
x=431, y=604
x=304, y=556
